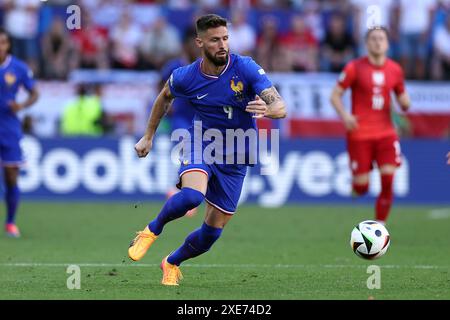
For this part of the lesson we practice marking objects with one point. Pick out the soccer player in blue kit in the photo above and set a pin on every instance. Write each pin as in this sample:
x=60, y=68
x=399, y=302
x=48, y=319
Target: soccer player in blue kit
x=227, y=91
x=13, y=75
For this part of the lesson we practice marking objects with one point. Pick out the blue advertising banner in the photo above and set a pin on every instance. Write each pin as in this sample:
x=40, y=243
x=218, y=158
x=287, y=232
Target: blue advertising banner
x=305, y=171
x=317, y=171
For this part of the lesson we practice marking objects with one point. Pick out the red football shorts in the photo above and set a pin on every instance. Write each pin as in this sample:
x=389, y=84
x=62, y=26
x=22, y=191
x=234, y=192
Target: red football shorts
x=364, y=152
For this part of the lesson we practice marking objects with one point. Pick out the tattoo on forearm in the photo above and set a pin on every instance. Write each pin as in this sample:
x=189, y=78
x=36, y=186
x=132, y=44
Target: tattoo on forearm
x=270, y=95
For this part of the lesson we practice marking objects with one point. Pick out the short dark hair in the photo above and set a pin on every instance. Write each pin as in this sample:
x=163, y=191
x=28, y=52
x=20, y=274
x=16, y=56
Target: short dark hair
x=210, y=21
x=372, y=29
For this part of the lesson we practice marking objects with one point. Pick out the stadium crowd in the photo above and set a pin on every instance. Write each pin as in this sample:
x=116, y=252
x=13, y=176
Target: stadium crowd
x=282, y=35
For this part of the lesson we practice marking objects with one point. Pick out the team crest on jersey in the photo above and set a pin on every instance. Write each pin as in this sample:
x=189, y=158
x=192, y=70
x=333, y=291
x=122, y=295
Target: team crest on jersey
x=378, y=78
x=10, y=78
x=238, y=88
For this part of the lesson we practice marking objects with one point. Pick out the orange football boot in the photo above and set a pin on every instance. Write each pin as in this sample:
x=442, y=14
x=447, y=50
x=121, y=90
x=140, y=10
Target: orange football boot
x=171, y=273
x=140, y=244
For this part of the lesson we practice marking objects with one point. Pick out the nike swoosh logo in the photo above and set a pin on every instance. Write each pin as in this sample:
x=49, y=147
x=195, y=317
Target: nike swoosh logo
x=201, y=97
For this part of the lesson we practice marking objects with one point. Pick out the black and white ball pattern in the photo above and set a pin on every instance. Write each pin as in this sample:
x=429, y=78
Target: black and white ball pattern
x=370, y=240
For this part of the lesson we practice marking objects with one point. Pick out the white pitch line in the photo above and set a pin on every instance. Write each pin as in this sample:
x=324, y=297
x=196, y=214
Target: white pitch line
x=249, y=266
x=439, y=214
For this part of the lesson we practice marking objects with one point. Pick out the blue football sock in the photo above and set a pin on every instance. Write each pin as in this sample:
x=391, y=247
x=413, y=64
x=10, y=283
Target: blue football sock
x=176, y=207
x=12, y=201
x=197, y=243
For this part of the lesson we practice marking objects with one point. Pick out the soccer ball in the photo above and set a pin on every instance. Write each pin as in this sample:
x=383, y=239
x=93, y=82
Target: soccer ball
x=370, y=240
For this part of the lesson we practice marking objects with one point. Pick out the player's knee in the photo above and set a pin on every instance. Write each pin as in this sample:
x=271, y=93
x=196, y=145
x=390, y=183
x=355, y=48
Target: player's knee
x=192, y=198
x=388, y=169
x=360, y=188
x=11, y=175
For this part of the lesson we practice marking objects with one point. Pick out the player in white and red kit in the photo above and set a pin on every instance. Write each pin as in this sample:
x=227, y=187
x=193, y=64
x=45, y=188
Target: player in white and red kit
x=371, y=135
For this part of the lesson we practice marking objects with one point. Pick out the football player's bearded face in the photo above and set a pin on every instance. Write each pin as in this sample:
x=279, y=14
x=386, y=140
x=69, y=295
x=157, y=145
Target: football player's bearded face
x=4, y=45
x=214, y=45
x=377, y=43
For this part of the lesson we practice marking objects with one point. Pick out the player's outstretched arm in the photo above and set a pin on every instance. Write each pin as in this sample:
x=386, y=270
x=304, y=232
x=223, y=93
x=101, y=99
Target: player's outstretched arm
x=159, y=109
x=269, y=104
x=336, y=100
x=404, y=101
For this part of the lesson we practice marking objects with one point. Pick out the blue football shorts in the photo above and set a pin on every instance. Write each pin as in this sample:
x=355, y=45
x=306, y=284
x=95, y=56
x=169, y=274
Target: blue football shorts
x=225, y=183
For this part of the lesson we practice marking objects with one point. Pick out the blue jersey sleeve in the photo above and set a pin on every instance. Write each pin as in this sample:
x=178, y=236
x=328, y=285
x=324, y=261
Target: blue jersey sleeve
x=256, y=76
x=27, y=78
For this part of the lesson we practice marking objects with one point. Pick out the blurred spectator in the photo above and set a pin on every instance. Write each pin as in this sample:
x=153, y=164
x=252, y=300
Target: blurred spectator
x=84, y=116
x=90, y=45
x=346, y=7
x=313, y=18
x=365, y=17
x=175, y=4
x=242, y=36
x=159, y=44
x=189, y=52
x=125, y=38
x=410, y=33
x=62, y=2
x=301, y=45
x=209, y=4
x=268, y=4
x=22, y=23
x=413, y=19
x=243, y=5
x=337, y=48
x=442, y=51
x=91, y=5
x=105, y=13
x=55, y=51
x=441, y=12
x=270, y=53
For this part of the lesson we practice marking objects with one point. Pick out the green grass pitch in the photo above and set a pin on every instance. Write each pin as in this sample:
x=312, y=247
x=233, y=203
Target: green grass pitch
x=293, y=252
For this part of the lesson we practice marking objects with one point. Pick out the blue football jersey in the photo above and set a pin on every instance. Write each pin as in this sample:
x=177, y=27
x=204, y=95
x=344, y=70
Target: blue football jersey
x=220, y=101
x=13, y=74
